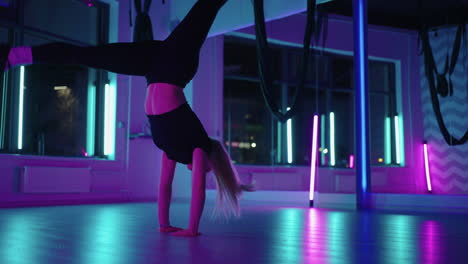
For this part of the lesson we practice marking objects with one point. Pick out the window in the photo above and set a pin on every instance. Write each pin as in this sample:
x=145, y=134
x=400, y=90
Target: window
x=71, y=19
x=6, y=3
x=54, y=110
x=253, y=136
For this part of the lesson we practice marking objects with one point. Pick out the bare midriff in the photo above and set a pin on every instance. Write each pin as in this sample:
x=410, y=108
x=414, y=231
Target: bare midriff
x=163, y=97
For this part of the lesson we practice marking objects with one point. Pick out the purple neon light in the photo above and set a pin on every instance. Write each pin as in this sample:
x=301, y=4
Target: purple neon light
x=313, y=163
x=426, y=169
x=351, y=161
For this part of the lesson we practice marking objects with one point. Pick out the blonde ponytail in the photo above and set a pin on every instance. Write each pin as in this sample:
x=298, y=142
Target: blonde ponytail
x=227, y=182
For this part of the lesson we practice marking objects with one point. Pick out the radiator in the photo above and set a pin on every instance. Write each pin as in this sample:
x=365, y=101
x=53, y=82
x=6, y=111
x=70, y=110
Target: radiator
x=55, y=180
x=279, y=181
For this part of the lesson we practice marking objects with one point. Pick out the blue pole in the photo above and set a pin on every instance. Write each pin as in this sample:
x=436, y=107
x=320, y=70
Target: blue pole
x=362, y=107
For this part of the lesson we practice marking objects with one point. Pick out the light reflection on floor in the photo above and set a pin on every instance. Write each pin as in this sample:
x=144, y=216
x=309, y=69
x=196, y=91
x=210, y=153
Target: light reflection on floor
x=127, y=233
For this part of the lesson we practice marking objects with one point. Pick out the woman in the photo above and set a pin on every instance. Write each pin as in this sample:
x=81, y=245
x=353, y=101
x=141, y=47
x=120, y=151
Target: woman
x=168, y=66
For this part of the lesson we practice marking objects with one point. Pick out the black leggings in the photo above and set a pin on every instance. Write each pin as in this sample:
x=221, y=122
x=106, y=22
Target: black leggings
x=173, y=60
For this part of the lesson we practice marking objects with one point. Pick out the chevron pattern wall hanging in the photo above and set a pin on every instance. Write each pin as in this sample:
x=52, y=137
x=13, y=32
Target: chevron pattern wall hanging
x=448, y=164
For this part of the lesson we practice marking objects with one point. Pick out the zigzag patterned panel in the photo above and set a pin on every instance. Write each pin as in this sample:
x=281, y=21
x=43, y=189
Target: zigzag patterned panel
x=448, y=164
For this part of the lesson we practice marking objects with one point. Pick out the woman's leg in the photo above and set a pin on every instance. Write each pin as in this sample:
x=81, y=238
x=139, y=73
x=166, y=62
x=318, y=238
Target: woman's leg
x=165, y=193
x=192, y=31
x=199, y=169
x=123, y=58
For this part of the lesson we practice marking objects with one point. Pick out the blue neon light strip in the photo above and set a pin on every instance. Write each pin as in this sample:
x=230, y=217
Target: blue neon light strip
x=362, y=133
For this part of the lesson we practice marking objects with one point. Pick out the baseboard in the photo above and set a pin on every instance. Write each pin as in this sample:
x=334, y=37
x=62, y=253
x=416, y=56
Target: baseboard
x=421, y=202
x=397, y=202
x=278, y=198
x=380, y=201
x=335, y=200
x=15, y=204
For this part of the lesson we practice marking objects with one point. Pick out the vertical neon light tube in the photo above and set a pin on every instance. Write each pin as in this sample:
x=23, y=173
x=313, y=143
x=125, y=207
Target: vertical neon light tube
x=397, y=140
x=109, y=121
x=351, y=161
x=279, y=142
x=426, y=169
x=91, y=121
x=313, y=163
x=362, y=107
x=388, y=141
x=322, y=138
x=289, y=139
x=402, y=141
x=332, y=139
x=20, y=108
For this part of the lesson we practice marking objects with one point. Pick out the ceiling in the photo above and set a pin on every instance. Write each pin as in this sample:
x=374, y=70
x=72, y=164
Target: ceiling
x=405, y=13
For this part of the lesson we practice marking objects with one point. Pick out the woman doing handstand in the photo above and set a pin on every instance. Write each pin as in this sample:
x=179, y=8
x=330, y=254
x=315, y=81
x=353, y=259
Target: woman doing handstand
x=168, y=66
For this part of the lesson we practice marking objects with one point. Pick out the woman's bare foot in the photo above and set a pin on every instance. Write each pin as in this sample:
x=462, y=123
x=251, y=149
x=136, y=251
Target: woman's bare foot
x=185, y=233
x=169, y=229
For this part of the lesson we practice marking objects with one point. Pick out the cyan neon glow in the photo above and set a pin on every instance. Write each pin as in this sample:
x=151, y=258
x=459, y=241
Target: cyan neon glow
x=351, y=161
x=313, y=163
x=102, y=232
x=332, y=139
x=402, y=140
x=288, y=226
x=322, y=138
x=397, y=140
x=279, y=153
x=338, y=239
x=109, y=121
x=399, y=234
x=21, y=108
x=18, y=233
x=388, y=141
x=426, y=168
x=289, y=139
x=2, y=117
x=91, y=121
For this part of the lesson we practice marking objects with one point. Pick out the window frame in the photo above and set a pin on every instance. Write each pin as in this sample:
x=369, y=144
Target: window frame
x=393, y=94
x=14, y=24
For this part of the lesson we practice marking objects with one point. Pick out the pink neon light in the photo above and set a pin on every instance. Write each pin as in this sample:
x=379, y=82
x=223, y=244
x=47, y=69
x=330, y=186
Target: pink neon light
x=313, y=163
x=351, y=161
x=315, y=225
x=431, y=245
x=426, y=168
x=83, y=151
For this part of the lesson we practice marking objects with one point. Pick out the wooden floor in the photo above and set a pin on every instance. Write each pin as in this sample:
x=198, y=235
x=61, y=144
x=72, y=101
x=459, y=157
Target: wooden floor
x=127, y=233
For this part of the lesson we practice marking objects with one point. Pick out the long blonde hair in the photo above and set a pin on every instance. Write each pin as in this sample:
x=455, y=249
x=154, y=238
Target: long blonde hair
x=227, y=182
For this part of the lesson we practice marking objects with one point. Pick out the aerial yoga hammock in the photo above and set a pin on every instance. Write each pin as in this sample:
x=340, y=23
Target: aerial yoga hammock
x=266, y=82
x=442, y=84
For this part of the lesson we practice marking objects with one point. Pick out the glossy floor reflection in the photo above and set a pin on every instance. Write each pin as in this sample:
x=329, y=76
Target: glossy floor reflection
x=127, y=233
